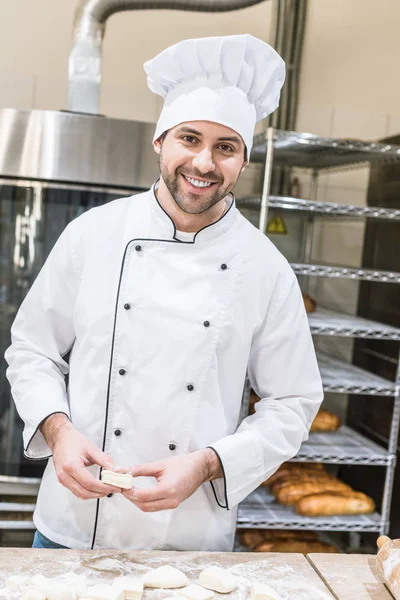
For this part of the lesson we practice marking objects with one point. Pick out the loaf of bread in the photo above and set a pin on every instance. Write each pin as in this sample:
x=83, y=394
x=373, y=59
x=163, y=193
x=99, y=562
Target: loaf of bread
x=325, y=421
x=300, y=478
x=309, y=303
x=293, y=492
x=251, y=537
x=254, y=537
x=334, y=502
x=291, y=468
x=301, y=546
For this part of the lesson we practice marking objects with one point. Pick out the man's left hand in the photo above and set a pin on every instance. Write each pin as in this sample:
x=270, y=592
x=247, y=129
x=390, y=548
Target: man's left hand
x=177, y=479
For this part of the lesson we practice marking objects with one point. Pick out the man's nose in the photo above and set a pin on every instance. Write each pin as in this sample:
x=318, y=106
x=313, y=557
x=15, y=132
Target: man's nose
x=203, y=161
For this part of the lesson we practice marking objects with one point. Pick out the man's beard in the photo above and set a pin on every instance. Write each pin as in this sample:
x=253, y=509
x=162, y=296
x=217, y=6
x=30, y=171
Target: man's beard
x=182, y=199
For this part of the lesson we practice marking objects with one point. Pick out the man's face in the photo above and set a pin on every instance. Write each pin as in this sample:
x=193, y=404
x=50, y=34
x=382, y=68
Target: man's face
x=200, y=163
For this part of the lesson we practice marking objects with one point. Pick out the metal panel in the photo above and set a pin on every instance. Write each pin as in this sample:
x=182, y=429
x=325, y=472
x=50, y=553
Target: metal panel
x=345, y=272
x=70, y=147
x=343, y=378
x=260, y=511
x=329, y=322
x=344, y=446
x=313, y=152
x=333, y=209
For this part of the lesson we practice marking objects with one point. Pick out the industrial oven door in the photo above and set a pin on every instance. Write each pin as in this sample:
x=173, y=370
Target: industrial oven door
x=32, y=216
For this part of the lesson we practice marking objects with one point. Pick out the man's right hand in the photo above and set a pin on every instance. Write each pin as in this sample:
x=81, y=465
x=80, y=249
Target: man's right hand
x=72, y=454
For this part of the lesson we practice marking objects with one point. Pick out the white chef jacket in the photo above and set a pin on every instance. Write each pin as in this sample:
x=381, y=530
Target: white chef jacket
x=161, y=332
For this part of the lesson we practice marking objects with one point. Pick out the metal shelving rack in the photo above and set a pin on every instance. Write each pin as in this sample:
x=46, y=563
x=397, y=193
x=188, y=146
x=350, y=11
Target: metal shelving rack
x=345, y=446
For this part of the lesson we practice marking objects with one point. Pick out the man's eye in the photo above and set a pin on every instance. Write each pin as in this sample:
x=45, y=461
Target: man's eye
x=226, y=148
x=189, y=138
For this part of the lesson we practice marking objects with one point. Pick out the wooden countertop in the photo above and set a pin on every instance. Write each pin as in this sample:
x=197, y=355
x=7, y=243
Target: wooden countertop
x=295, y=577
x=350, y=576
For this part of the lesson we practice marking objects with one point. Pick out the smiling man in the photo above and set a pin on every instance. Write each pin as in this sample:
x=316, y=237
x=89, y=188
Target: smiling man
x=164, y=301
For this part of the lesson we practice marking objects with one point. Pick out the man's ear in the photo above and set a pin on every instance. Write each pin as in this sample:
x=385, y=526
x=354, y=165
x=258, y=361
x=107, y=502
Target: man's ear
x=157, y=145
x=246, y=162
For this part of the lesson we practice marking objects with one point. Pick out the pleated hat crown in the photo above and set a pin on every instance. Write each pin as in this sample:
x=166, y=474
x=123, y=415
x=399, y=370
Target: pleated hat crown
x=232, y=80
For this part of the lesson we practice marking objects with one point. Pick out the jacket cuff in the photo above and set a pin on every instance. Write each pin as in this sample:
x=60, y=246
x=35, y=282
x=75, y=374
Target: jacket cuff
x=35, y=445
x=219, y=485
x=242, y=461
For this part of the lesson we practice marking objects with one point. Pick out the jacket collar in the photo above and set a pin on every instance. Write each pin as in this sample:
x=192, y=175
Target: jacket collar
x=211, y=232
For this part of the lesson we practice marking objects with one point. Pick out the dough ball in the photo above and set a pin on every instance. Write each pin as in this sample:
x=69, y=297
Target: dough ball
x=77, y=582
x=60, y=591
x=165, y=577
x=101, y=591
x=196, y=592
x=121, y=480
x=260, y=591
x=16, y=582
x=218, y=580
x=129, y=588
x=32, y=593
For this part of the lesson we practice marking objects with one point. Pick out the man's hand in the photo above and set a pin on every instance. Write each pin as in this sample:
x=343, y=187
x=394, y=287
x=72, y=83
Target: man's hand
x=72, y=453
x=177, y=479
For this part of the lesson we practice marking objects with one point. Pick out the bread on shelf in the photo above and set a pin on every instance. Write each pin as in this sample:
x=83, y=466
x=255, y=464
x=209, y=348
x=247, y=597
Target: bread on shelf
x=325, y=421
x=335, y=503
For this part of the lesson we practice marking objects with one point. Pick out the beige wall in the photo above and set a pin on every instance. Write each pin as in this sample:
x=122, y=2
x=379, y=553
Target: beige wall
x=36, y=38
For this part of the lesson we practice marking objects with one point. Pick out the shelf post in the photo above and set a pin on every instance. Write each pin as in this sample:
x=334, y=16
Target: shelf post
x=392, y=448
x=267, y=179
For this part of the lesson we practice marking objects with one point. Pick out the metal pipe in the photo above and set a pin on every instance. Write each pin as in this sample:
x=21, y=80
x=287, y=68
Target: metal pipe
x=85, y=68
x=267, y=180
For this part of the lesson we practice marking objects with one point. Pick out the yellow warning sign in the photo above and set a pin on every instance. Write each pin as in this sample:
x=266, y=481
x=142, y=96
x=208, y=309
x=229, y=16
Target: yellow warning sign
x=277, y=225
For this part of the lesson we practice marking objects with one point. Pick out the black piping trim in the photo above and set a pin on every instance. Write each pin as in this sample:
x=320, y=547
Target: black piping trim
x=225, y=485
x=174, y=241
x=60, y=412
x=200, y=230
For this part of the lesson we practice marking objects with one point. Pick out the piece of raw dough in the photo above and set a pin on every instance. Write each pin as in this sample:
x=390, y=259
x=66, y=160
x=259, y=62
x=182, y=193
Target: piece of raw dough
x=218, y=580
x=78, y=582
x=101, y=591
x=129, y=588
x=16, y=582
x=32, y=593
x=196, y=592
x=59, y=591
x=165, y=577
x=260, y=591
x=121, y=480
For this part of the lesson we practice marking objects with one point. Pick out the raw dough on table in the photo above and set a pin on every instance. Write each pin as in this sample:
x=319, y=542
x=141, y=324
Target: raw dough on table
x=16, y=582
x=165, y=577
x=129, y=588
x=121, y=480
x=260, y=591
x=218, y=580
x=196, y=592
x=101, y=591
x=32, y=593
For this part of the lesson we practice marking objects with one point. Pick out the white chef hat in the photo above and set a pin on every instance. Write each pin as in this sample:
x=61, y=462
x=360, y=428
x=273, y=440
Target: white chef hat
x=232, y=80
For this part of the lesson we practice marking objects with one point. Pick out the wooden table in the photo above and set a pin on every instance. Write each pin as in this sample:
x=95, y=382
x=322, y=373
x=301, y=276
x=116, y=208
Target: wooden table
x=295, y=577
x=350, y=576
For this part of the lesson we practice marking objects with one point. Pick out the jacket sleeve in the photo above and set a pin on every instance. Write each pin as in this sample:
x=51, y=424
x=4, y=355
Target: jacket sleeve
x=283, y=371
x=41, y=335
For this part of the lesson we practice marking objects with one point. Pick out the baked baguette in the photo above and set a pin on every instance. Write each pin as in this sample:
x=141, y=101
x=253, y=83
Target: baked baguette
x=254, y=537
x=292, y=493
x=325, y=421
x=335, y=503
x=290, y=468
x=301, y=546
x=299, y=478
